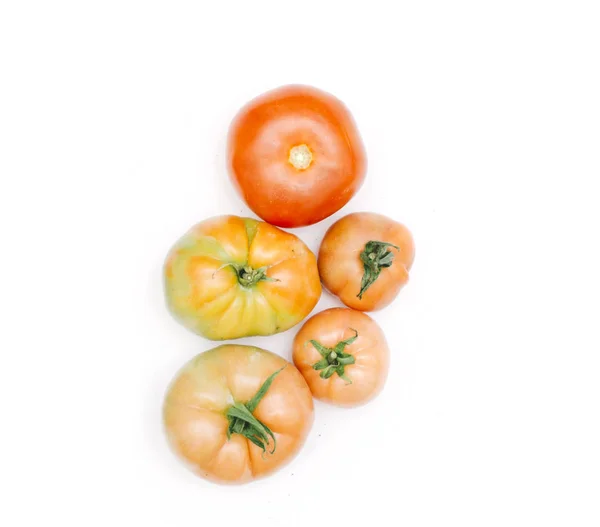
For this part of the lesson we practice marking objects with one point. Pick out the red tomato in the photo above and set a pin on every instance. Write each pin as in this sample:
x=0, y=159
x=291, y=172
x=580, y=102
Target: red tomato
x=296, y=156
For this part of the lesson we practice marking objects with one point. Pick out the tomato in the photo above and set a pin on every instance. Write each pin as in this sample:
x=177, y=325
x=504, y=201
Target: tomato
x=237, y=413
x=295, y=155
x=232, y=277
x=364, y=259
x=343, y=355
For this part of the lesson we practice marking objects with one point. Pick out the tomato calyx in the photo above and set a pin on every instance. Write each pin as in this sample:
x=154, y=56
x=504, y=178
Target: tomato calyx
x=374, y=257
x=334, y=359
x=242, y=421
x=248, y=276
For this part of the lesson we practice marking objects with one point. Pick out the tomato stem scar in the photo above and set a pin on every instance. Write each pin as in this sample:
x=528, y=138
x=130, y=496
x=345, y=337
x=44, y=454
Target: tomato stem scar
x=300, y=157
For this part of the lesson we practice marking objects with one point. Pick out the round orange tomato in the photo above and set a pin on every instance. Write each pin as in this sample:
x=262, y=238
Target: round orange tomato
x=232, y=277
x=237, y=413
x=343, y=355
x=364, y=259
x=295, y=155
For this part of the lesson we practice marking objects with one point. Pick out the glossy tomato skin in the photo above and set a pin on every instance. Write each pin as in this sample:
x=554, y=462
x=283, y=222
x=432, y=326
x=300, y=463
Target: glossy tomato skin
x=370, y=350
x=202, y=279
x=341, y=268
x=197, y=400
x=261, y=138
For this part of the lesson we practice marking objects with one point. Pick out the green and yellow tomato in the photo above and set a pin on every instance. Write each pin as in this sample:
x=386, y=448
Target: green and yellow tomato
x=230, y=277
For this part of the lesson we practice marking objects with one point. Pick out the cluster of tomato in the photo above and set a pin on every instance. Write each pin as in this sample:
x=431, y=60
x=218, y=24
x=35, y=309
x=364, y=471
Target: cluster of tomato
x=236, y=413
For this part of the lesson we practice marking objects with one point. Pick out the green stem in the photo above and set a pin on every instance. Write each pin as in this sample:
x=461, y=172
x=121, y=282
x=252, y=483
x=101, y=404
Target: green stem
x=334, y=359
x=375, y=257
x=242, y=421
x=248, y=276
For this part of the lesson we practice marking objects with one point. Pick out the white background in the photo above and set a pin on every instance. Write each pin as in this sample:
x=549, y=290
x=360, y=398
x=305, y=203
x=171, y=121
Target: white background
x=482, y=124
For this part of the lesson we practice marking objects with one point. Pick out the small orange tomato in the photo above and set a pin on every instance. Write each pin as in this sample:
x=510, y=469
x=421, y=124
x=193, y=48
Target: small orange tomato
x=295, y=155
x=364, y=259
x=237, y=413
x=343, y=355
x=230, y=277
